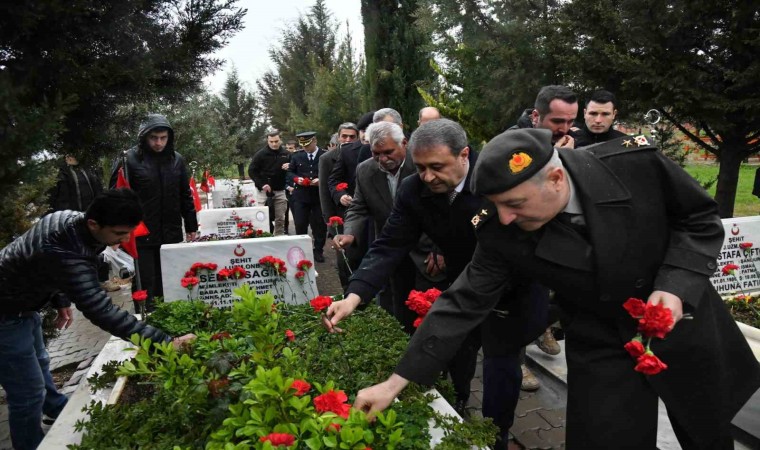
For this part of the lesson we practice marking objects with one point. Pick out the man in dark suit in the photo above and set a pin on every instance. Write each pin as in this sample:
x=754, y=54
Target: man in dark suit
x=347, y=133
x=440, y=204
x=377, y=181
x=303, y=175
x=599, y=227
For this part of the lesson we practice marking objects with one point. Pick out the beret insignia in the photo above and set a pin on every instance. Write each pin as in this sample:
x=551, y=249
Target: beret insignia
x=519, y=162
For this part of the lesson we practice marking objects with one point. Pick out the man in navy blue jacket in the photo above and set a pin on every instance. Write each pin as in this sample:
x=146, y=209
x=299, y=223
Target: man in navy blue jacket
x=303, y=175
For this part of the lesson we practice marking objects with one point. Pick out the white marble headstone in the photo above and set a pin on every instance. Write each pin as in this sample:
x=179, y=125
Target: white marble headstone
x=739, y=230
x=223, y=221
x=176, y=259
x=225, y=191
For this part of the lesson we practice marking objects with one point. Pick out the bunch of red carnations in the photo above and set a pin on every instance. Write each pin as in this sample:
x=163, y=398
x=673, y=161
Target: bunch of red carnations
x=421, y=302
x=655, y=321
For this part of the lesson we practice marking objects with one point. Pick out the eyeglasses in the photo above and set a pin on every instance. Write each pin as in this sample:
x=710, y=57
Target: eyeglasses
x=348, y=136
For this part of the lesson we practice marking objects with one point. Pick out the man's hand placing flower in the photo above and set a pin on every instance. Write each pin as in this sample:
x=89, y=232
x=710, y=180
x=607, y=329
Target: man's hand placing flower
x=338, y=311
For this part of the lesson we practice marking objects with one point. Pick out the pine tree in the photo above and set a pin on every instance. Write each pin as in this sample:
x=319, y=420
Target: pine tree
x=696, y=62
x=397, y=53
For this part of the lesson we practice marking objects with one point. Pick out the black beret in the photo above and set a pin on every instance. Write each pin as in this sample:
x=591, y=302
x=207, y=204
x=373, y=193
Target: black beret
x=511, y=158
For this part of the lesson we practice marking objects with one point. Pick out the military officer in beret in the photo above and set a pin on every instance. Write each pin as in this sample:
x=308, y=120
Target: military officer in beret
x=599, y=227
x=303, y=175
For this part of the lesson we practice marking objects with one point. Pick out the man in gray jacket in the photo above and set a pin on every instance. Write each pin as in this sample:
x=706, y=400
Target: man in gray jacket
x=58, y=254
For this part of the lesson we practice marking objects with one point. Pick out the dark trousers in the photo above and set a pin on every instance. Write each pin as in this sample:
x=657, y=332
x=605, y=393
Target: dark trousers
x=504, y=336
x=25, y=376
x=462, y=367
x=310, y=214
x=149, y=266
x=502, y=377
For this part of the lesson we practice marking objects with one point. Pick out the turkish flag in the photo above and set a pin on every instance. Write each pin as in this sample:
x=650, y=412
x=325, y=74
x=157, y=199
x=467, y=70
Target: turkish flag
x=196, y=197
x=141, y=230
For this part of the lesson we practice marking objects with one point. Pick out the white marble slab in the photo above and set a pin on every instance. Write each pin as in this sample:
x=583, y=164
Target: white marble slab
x=176, y=259
x=224, y=221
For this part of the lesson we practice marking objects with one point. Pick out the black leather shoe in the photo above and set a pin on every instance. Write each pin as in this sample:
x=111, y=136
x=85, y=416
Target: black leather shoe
x=319, y=257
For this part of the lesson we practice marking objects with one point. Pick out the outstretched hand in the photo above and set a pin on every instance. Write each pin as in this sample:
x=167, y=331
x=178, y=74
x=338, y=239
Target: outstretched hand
x=178, y=342
x=380, y=396
x=338, y=311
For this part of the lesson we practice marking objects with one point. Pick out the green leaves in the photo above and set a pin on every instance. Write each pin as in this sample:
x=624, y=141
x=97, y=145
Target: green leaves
x=249, y=381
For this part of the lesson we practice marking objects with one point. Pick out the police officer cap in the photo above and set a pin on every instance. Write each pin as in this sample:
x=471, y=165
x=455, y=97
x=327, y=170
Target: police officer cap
x=305, y=137
x=511, y=158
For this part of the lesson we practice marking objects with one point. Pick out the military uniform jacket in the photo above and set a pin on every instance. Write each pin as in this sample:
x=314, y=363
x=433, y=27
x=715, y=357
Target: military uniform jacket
x=301, y=167
x=651, y=227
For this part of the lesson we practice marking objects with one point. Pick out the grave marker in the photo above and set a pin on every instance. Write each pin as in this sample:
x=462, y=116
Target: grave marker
x=176, y=259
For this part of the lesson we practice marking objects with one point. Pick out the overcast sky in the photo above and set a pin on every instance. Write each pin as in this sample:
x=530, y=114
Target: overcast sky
x=248, y=49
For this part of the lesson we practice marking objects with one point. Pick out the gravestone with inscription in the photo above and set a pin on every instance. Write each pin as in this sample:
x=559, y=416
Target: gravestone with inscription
x=230, y=193
x=223, y=221
x=176, y=260
x=739, y=231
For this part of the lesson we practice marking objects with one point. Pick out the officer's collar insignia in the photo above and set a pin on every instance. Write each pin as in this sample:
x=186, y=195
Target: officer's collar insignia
x=478, y=218
x=627, y=143
x=519, y=162
x=641, y=140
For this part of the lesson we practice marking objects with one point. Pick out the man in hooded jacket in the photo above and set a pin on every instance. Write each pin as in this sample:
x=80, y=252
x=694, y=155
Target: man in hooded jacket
x=159, y=176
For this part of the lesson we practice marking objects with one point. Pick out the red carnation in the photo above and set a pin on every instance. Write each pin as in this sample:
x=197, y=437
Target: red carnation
x=304, y=265
x=300, y=386
x=333, y=427
x=745, y=245
x=656, y=322
x=341, y=187
x=211, y=266
x=432, y=295
x=140, y=296
x=418, y=303
x=223, y=274
x=247, y=233
x=288, y=333
x=300, y=276
x=259, y=232
x=729, y=269
x=635, y=348
x=277, y=439
x=635, y=307
x=189, y=274
x=334, y=221
x=189, y=282
x=221, y=336
x=649, y=364
x=417, y=322
x=238, y=272
x=320, y=302
x=333, y=401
